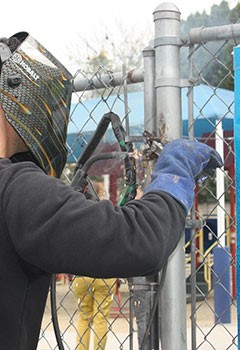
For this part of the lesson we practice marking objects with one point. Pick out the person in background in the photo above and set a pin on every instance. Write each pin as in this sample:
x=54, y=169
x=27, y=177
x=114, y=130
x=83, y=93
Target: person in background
x=46, y=227
x=94, y=300
x=94, y=296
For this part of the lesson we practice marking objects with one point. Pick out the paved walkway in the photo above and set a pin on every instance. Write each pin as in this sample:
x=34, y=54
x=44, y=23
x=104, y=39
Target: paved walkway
x=209, y=335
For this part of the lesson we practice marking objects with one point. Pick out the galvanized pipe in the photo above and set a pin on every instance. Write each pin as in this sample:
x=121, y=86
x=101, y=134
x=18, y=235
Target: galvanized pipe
x=107, y=80
x=192, y=213
x=205, y=34
x=149, y=90
x=169, y=127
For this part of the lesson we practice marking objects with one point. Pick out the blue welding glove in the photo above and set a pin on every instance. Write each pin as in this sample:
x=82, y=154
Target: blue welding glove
x=180, y=165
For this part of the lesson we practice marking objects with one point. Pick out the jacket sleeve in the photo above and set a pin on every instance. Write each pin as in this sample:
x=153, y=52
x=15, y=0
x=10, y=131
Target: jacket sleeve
x=56, y=230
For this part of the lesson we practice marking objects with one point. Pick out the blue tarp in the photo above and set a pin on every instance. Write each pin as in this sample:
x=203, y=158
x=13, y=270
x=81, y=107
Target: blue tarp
x=209, y=104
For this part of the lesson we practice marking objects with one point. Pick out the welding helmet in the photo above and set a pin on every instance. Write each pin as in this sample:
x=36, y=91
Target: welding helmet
x=35, y=94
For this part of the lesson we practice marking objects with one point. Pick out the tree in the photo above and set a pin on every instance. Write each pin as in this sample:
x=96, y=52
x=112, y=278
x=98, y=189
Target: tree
x=110, y=48
x=219, y=15
x=213, y=61
x=235, y=14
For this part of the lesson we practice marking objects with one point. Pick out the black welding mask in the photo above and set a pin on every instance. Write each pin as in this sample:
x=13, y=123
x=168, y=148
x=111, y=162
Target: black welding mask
x=35, y=94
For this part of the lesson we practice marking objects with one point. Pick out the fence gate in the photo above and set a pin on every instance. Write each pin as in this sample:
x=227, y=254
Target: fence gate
x=187, y=92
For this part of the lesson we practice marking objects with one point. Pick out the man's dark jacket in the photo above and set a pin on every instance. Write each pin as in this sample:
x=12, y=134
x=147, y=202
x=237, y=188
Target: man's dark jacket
x=46, y=227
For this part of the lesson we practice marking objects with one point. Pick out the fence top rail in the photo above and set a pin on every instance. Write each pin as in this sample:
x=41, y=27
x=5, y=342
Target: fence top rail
x=204, y=34
x=107, y=80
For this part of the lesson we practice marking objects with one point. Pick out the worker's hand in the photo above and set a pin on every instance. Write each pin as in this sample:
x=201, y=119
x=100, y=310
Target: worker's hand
x=179, y=165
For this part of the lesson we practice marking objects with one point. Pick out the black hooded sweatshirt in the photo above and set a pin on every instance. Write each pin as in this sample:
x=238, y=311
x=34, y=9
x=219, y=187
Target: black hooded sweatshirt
x=46, y=227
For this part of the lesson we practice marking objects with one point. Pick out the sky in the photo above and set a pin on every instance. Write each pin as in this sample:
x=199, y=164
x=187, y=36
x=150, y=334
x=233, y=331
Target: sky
x=57, y=24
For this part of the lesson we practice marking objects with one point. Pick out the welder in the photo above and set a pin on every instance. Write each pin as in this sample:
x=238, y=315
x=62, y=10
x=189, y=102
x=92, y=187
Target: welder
x=45, y=226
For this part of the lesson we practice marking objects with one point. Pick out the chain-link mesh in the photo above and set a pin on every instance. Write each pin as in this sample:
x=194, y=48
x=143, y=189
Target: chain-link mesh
x=94, y=312
x=211, y=289
x=211, y=285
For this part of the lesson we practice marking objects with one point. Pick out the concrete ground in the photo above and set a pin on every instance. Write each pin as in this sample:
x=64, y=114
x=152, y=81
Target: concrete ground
x=209, y=335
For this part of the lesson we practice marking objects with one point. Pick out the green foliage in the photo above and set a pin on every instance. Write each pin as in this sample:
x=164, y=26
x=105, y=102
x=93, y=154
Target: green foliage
x=213, y=61
x=219, y=15
x=111, y=48
x=235, y=14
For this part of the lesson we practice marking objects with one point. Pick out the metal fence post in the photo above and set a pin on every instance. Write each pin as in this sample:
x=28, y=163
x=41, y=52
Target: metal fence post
x=237, y=167
x=150, y=125
x=167, y=44
x=149, y=90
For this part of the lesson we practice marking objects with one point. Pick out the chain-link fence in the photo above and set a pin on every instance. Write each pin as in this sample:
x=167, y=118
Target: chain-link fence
x=97, y=312
x=212, y=282
x=197, y=305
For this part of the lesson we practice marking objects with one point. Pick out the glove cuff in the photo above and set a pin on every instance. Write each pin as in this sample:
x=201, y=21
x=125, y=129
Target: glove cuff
x=180, y=188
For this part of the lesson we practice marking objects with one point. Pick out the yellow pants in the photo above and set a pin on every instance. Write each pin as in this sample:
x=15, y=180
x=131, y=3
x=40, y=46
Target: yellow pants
x=94, y=301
